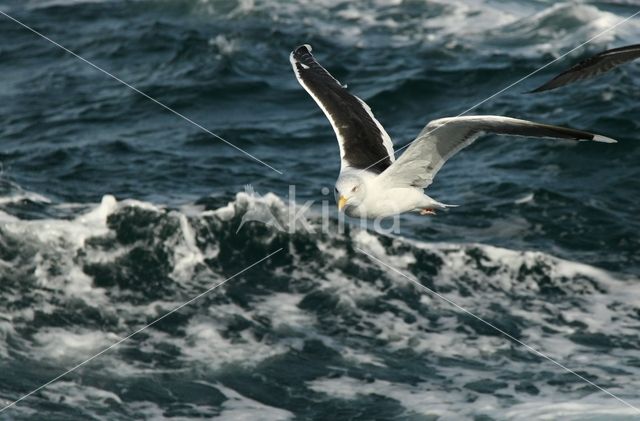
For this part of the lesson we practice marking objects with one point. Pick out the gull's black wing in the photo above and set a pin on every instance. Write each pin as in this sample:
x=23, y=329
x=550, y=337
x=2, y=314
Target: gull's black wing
x=364, y=144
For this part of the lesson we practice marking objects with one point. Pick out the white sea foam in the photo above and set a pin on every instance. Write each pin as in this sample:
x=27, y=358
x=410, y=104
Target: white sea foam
x=39, y=4
x=224, y=45
x=74, y=232
x=600, y=303
x=63, y=344
x=187, y=255
x=205, y=344
x=524, y=199
x=283, y=311
x=239, y=407
x=24, y=196
x=423, y=399
x=418, y=400
x=530, y=28
x=80, y=396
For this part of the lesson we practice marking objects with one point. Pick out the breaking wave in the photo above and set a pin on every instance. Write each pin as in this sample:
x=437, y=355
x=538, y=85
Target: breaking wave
x=72, y=286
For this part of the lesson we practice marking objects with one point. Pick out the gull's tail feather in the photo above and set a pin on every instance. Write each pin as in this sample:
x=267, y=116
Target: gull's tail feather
x=434, y=204
x=445, y=206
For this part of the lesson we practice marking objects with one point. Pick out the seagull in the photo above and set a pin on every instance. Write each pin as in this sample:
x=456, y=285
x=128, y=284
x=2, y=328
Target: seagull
x=372, y=183
x=593, y=66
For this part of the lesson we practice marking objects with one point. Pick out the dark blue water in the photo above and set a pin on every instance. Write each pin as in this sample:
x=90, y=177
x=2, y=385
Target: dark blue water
x=115, y=211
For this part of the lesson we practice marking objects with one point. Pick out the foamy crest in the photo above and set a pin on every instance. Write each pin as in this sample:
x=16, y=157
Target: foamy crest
x=62, y=344
x=239, y=407
x=330, y=297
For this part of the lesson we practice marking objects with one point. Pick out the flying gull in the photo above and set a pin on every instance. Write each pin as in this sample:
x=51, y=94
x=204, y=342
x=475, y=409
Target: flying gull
x=593, y=66
x=372, y=183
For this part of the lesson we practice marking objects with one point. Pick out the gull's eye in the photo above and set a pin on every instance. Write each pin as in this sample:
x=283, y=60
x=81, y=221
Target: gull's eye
x=355, y=189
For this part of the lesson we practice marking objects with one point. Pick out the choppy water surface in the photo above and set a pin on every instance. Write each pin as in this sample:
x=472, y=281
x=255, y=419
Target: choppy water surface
x=114, y=211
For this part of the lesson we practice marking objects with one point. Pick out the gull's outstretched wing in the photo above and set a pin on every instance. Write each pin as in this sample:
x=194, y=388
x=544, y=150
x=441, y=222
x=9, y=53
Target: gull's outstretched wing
x=364, y=144
x=593, y=66
x=443, y=138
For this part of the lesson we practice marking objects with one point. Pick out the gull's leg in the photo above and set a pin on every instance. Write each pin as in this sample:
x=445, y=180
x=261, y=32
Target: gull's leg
x=427, y=211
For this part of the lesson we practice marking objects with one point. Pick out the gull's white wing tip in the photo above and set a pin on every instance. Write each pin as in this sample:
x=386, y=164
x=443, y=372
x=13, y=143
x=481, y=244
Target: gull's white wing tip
x=603, y=139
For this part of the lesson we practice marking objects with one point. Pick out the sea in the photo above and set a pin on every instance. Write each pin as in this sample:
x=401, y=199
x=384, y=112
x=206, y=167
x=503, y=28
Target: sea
x=170, y=247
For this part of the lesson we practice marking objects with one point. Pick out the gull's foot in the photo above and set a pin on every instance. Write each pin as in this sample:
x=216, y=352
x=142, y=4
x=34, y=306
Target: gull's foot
x=427, y=211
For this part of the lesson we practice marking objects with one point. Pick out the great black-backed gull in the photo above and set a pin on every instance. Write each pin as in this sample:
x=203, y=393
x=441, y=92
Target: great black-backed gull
x=372, y=183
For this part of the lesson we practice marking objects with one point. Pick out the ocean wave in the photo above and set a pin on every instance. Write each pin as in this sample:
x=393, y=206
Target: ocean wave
x=529, y=28
x=544, y=248
x=118, y=265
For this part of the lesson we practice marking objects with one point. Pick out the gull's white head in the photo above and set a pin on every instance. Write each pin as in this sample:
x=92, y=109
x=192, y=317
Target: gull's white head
x=350, y=192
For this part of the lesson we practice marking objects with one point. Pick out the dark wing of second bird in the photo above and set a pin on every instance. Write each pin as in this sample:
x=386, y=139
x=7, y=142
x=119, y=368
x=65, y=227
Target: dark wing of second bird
x=593, y=66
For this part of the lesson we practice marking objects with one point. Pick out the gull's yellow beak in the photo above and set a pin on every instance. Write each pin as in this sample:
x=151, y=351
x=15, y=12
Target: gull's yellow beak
x=341, y=202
